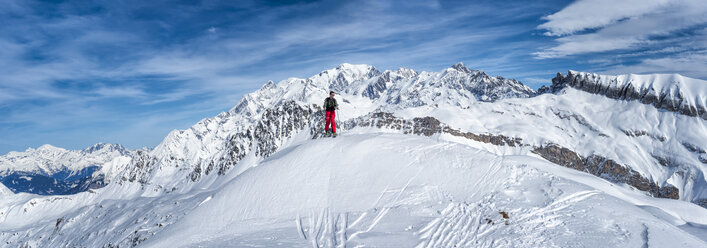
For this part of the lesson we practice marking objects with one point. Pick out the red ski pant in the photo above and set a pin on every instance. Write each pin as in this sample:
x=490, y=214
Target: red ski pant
x=330, y=117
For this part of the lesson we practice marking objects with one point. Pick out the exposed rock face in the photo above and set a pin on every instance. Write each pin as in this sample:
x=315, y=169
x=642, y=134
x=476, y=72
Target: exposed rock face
x=426, y=126
x=345, y=74
x=499, y=140
x=484, y=87
x=263, y=137
x=673, y=100
x=280, y=123
x=455, y=85
x=264, y=120
x=701, y=202
x=386, y=81
x=142, y=166
x=595, y=165
x=605, y=168
x=694, y=148
x=701, y=153
x=638, y=133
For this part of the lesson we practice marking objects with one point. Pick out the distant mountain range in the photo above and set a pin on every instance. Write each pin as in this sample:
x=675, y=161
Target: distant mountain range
x=629, y=140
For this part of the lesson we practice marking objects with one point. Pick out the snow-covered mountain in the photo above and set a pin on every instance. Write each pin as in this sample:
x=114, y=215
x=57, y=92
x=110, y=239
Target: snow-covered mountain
x=428, y=159
x=48, y=159
x=51, y=170
x=267, y=117
x=671, y=92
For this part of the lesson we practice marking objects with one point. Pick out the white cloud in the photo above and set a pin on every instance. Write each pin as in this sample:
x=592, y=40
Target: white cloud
x=65, y=60
x=688, y=64
x=636, y=32
x=655, y=36
x=589, y=43
x=588, y=14
x=122, y=91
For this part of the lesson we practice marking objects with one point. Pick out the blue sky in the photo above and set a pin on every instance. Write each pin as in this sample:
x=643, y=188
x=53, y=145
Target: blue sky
x=75, y=73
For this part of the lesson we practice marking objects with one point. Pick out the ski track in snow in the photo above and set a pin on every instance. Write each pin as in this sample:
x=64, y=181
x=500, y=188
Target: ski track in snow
x=410, y=208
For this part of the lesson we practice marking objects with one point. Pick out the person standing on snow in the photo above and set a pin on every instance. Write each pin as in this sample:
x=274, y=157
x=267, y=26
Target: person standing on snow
x=330, y=106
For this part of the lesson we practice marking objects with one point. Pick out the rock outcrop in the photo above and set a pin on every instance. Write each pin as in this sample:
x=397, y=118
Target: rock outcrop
x=669, y=92
x=593, y=164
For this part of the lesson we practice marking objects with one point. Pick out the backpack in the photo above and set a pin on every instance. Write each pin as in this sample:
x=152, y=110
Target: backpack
x=330, y=103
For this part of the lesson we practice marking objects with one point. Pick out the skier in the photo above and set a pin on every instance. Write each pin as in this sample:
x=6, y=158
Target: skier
x=330, y=106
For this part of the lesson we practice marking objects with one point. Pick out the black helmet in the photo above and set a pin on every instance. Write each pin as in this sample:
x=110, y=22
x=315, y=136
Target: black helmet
x=330, y=92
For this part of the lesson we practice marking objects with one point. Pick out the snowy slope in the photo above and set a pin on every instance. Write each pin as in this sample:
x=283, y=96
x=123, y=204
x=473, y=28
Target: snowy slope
x=408, y=190
x=206, y=146
x=663, y=147
x=4, y=190
x=425, y=159
x=670, y=155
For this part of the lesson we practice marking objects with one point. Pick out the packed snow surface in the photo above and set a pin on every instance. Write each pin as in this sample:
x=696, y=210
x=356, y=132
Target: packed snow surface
x=372, y=189
x=392, y=190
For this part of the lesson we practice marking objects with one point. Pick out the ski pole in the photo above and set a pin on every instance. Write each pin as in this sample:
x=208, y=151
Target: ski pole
x=337, y=119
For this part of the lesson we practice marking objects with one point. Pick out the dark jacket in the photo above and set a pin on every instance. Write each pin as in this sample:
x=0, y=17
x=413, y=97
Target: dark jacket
x=330, y=104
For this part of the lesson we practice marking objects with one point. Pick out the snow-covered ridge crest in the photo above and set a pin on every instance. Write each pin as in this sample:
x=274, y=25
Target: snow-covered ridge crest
x=361, y=89
x=483, y=169
x=48, y=159
x=218, y=143
x=457, y=85
x=672, y=92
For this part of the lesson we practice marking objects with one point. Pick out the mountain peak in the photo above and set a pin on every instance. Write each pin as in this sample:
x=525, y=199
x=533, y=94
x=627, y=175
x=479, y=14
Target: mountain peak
x=104, y=146
x=461, y=67
x=49, y=148
x=269, y=85
x=345, y=66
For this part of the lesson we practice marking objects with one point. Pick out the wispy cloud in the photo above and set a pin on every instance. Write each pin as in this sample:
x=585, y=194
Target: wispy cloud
x=644, y=25
x=623, y=36
x=689, y=64
x=589, y=14
x=68, y=72
x=121, y=91
x=73, y=73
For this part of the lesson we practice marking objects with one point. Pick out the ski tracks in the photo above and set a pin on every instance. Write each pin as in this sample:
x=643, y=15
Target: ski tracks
x=560, y=204
x=324, y=229
x=460, y=225
x=327, y=229
x=483, y=223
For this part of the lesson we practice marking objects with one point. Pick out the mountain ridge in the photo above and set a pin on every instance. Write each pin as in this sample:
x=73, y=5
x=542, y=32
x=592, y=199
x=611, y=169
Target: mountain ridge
x=48, y=159
x=218, y=143
x=468, y=150
x=305, y=94
x=672, y=92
